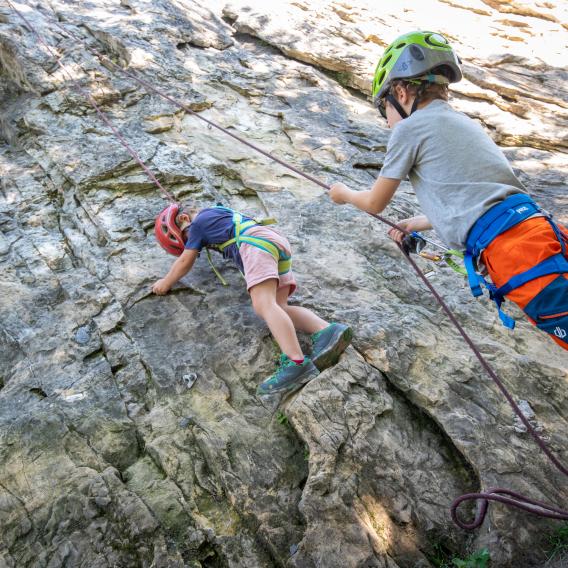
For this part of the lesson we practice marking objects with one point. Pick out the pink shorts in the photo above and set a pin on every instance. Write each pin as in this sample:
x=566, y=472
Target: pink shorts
x=260, y=265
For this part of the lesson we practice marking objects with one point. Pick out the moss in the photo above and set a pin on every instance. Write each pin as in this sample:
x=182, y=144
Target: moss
x=219, y=514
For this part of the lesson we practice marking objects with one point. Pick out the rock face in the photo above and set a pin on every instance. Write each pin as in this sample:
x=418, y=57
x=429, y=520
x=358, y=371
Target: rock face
x=130, y=432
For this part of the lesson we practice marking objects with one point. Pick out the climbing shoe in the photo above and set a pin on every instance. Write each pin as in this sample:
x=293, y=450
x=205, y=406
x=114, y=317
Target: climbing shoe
x=288, y=377
x=329, y=344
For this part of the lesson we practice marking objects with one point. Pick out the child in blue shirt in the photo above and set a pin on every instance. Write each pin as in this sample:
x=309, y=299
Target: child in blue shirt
x=263, y=255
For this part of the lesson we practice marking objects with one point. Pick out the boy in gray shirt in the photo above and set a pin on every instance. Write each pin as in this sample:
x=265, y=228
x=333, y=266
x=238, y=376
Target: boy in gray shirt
x=464, y=185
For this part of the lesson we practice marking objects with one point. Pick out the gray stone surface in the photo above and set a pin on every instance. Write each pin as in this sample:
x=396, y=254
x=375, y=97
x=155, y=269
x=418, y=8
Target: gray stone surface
x=130, y=432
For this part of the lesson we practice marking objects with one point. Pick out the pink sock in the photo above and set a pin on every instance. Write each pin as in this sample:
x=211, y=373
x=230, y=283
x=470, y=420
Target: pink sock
x=298, y=361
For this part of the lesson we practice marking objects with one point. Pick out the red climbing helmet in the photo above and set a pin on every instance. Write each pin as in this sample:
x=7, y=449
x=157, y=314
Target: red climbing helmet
x=167, y=232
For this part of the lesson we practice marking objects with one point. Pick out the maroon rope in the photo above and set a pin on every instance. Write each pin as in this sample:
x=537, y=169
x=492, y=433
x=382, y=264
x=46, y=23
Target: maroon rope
x=519, y=501
x=186, y=108
x=92, y=102
x=501, y=495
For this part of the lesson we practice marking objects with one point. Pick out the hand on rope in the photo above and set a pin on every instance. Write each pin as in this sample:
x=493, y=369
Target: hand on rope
x=338, y=192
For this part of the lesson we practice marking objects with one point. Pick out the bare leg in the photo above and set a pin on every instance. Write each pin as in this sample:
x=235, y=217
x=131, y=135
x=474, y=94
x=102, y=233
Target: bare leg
x=264, y=302
x=303, y=318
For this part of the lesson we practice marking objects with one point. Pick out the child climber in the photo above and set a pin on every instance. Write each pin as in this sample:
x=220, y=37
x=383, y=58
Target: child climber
x=263, y=255
x=464, y=185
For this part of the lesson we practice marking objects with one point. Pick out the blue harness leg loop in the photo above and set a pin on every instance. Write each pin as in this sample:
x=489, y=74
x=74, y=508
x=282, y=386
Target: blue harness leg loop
x=555, y=264
x=500, y=218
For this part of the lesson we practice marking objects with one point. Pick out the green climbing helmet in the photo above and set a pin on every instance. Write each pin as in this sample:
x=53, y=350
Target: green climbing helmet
x=412, y=55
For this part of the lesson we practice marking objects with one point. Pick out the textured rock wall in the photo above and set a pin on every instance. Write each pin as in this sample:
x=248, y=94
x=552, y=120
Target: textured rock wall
x=109, y=456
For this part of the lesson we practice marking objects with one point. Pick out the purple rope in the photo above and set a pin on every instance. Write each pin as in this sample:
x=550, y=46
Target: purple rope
x=519, y=501
x=186, y=108
x=92, y=102
x=501, y=495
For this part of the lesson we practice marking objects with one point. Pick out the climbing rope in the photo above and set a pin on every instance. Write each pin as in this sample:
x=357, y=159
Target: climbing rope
x=91, y=101
x=501, y=495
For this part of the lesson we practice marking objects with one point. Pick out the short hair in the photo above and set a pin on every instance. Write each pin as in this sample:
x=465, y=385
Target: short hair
x=423, y=89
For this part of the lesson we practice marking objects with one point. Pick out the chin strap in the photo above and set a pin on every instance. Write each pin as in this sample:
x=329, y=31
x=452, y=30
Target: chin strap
x=392, y=100
x=414, y=105
x=403, y=114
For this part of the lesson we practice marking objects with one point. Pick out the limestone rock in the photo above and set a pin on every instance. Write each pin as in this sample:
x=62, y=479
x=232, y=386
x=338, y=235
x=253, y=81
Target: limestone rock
x=130, y=431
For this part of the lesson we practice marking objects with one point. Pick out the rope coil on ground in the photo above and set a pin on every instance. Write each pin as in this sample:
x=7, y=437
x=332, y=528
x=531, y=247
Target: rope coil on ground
x=501, y=495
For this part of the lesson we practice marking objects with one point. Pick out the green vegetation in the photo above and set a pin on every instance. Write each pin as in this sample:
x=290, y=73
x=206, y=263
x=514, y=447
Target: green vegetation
x=479, y=559
x=558, y=542
x=442, y=559
x=282, y=418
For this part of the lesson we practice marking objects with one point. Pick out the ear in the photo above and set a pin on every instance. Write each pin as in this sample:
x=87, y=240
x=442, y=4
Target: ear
x=402, y=94
x=183, y=218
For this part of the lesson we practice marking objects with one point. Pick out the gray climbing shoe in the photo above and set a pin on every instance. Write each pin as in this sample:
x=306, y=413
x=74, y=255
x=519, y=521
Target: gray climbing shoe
x=329, y=344
x=288, y=377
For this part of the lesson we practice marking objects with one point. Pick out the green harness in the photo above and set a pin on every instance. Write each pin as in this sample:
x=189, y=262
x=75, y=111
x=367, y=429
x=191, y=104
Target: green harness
x=240, y=227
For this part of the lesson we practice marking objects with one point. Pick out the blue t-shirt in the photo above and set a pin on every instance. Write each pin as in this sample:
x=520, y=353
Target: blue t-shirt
x=214, y=226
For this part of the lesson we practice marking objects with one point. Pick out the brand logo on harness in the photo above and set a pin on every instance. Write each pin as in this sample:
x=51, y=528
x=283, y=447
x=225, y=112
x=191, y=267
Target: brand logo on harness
x=559, y=332
x=521, y=209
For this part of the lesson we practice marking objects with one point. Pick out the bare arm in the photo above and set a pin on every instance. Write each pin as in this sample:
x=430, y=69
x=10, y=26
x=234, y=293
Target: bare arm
x=373, y=201
x=178, y=270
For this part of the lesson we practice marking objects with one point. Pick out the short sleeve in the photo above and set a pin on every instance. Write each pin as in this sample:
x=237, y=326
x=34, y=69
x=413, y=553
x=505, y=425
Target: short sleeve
x=402, y=150
x=194, y=236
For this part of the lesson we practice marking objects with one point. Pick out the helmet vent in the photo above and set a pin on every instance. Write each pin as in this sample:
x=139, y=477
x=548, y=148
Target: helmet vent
x=389, y=57
x=436, y=40
x=401, y=44
x=417, y=53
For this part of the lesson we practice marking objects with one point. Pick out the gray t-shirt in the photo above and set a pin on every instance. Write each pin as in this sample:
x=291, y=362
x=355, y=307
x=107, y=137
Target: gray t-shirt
x=456, y=170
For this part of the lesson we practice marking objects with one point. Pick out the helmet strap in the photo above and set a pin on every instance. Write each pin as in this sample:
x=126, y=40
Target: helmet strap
x=392, y=100
x=414, y=105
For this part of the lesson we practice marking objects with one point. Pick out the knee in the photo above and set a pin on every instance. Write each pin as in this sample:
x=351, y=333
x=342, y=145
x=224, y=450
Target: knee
x=263, y=305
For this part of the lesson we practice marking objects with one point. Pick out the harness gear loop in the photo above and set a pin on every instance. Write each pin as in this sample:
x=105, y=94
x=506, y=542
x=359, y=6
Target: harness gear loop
x=415, y=243
x=217, y=273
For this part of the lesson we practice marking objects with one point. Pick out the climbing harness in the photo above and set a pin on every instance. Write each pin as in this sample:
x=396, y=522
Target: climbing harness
x=241, y=227
x=500, y=218
x=495, y=494
x=170, y=237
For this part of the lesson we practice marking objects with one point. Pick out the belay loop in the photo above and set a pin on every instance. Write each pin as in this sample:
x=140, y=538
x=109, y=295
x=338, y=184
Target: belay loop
x=494, y=494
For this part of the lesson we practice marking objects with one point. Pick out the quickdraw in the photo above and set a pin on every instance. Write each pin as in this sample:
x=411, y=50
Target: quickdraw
x=415, y=243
